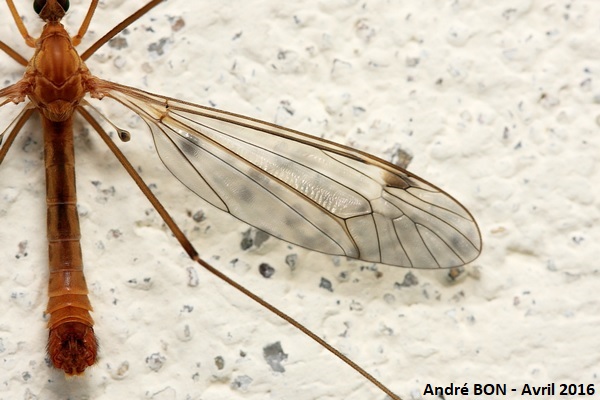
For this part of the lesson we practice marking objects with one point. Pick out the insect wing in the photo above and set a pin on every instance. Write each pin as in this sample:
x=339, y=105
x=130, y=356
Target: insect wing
x=305, y=190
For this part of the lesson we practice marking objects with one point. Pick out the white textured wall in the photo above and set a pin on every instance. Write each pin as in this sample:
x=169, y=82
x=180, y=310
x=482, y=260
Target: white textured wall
x=498, y=102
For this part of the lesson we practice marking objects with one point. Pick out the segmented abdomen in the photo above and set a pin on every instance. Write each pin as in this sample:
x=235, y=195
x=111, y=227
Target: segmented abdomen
x=72, y=345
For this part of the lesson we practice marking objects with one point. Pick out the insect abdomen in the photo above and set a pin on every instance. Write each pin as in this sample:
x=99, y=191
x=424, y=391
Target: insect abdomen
x=72, y=345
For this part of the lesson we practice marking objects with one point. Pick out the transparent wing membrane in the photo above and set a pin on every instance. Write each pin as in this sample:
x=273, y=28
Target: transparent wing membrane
x=305, y=190
x=302, y=189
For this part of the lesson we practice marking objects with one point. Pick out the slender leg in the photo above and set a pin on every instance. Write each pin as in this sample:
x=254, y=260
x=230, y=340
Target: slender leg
x=13, y=54
x=117, y=29
x=20, y=121
x=85, y=24
x=191, y=251
x=20, y=25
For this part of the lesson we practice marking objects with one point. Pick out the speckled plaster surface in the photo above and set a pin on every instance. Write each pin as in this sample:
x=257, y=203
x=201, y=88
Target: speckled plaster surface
x=498, y=102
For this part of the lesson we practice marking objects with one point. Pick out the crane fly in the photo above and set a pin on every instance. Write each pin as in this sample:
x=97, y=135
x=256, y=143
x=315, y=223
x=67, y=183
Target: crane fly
x=307, y=191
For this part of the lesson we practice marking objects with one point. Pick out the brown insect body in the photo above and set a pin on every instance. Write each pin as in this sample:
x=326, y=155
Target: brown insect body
x=308, y=191
x=55, y=82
